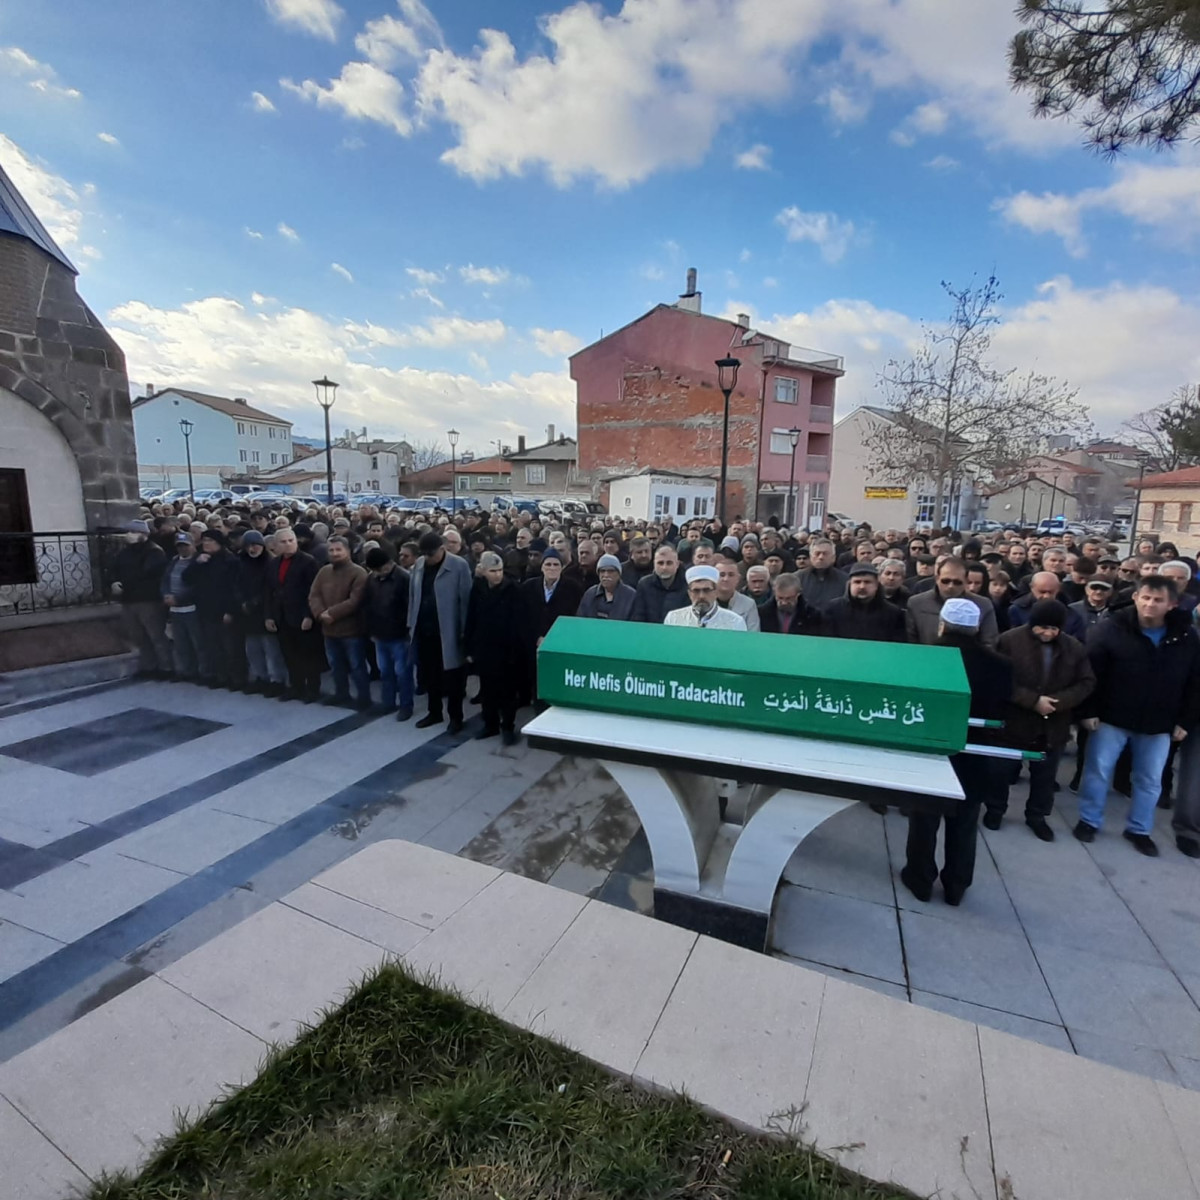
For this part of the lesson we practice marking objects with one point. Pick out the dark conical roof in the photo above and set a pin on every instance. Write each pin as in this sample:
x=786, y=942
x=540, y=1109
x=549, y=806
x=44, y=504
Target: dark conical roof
x=17, y=217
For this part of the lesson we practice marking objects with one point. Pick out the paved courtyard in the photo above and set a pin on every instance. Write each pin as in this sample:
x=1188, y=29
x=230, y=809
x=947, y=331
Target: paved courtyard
x=139, y=820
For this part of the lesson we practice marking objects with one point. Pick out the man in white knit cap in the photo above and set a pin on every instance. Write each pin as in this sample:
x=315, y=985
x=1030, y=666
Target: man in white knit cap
x=704, y=612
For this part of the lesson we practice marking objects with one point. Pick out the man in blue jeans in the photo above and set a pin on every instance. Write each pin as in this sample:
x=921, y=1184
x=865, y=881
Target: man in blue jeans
x=385, y=613
x=1146, y=658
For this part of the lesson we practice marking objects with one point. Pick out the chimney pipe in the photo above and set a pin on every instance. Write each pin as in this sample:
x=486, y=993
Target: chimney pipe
x=691, y=282
x=520, y=443
x=743, y=319
x=549, y=433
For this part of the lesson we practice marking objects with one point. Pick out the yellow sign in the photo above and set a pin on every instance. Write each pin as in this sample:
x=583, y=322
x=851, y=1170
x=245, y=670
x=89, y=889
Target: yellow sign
x=885, y=493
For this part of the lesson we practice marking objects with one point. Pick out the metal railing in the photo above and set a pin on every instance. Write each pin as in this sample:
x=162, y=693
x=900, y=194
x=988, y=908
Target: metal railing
x=820, y=414
x=42, y=571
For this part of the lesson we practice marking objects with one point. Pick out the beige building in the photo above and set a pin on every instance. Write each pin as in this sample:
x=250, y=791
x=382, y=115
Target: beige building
x=1169, y=508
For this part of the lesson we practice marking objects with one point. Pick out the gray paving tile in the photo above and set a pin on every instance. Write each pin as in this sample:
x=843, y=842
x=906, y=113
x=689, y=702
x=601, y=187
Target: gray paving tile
x=580, y=879
x=1141, y=1060
x=897, y=991
x=848, y=859
x=371, y=924
x=838, y=931
x=191, y=840
x=993, y=1018
x=34, y=1168
x=999, y=971
x=1127, y=1002
x=1187, y=1070
x=21, y=948
x=277, y=796
x=1183, y=1113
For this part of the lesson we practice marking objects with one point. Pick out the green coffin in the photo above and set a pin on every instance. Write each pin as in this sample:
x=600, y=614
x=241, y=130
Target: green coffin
x=907, y=697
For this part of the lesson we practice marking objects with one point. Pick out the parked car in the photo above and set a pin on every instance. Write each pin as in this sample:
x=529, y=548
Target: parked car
x=595, y=508
x=264, y=497
x=214, y=496
x=322, y=499
x=986, y=527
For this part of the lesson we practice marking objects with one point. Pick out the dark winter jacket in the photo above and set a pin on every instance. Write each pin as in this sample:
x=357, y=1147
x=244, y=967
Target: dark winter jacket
x=1068, y=679
x=252, y=590
x=654, y=599
x=924, y=613
x=990, y=679
x=1091, y=617
x=874, y=620
x=1141, y=687
x=287, y=602
x=632, y=574
x=540, y=614
x=595, y=604
x=820, y=587
x=138, y=568
x=385, y=605
x=806, y=620
x=899, y=598
x=1018, y=614
x=495, y=627
x=172, y=584
x=213, y=580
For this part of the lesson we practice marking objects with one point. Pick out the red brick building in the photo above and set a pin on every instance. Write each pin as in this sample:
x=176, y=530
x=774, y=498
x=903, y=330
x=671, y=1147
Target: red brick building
x=647, y=396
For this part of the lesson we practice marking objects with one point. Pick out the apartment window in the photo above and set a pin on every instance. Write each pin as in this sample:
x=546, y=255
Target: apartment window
x=816, y=502
x=274, y=459
x=241, y=427
x=483, y=481
x=1156, y=516
x=1185, y=518
x=254, y=456
x=700, y=506
x=254, y=431
x=241, y=456
x=535, y=473
x=781, y=441
x=464, y=482
x=681, y=507
x=786, y=391
x=374, y=462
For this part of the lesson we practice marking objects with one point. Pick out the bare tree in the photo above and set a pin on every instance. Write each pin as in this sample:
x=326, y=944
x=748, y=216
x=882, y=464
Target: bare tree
x=427, y=454
x=1168, y=434
x=1130, y=67
x=954, y=415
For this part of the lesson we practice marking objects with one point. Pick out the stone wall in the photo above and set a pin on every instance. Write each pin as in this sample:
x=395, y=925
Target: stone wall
x=56, y=356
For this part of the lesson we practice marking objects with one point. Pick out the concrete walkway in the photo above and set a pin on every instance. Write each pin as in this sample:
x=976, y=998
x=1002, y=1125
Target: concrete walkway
x=896, y=1091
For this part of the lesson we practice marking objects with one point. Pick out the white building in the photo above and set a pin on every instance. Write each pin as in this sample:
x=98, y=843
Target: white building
x=354, y=471
x=658, y=495
x=228, y=438
x=860, y=491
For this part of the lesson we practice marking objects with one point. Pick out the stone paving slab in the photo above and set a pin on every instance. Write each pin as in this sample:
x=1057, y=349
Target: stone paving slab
x=31, y=1165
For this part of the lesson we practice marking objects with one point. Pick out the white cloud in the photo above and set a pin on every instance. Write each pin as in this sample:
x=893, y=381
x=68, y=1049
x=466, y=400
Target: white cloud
x=437, y=333
x=756, y=158
x=827, y=231
x=426, y=294
x=363, y=92
x=770, y=282
x=258, y=299
x=478, y=361
x=1165, y=198
x=287, y=232
x=423, y=277
x=556, y=343
x=338, y=269
x=108, y=139
x=845, y=107
x=925, y=121
x=253, y=233
x=318, y=17
x=745, y=256
x=51, y=197
x=489, y=276
x=390, y=41
x=220, y=345
x=15, y=61
x=653, y=272
x=943, y=162
x=261, y=103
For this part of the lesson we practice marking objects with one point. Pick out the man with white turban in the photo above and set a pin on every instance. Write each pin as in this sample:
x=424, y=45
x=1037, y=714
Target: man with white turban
x=704, y=612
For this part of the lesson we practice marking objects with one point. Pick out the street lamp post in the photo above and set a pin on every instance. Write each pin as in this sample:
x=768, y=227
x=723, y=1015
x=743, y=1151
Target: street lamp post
x=452, y=438
x=186, y=428
x=794, y=435
x=1053, y=490
x=727, y=373
x=326, y=395
x=1137, y=503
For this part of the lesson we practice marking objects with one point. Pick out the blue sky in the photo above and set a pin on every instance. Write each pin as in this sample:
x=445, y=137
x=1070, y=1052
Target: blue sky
x=436, y=204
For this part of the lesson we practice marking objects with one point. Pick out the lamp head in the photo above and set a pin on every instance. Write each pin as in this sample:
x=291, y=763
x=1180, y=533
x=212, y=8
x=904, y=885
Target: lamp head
x=186, y=426
x=326, y=391
x=794, y=435
x=727, y=373
x=452, y=436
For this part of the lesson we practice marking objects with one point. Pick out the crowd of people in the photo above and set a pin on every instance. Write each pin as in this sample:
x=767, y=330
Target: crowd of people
x=1061, y=638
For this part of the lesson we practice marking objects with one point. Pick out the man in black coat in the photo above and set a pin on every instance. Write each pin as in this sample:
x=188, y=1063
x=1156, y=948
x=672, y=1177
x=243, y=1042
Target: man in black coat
x=494, y=642
x=983, y=779
x=384, y=612
x=822, y=582
x=640, y=562
x=662, y=591
x=863, y=613
x=289, y=581
x=544, y=600
x=137, y=573
x=212, y=577
x=786, y=611
x=1147, y=663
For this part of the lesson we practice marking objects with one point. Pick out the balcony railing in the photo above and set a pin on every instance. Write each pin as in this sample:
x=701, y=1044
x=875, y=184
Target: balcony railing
x=40, y=571
x=816, y=464
x=820, y=414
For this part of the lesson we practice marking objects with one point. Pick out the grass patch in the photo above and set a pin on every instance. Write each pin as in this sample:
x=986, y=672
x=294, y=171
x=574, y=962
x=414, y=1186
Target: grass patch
x=408, y=1093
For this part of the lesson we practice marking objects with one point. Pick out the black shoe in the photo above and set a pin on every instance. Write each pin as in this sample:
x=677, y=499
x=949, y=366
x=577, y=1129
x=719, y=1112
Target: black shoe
x=992, y=820
x=404, y=714
x=922, y=891
x=272, y=689
x=363, y=704
x=335, y=701
x=455, y=727
x=1188, y=847
x=1040, y=828
x=253, y=688
x=1073, y=786
x=287, y=694
x=952, y=896
x=1165, y=800
x=510, y=737
x=1143, y=843
x=429, y=720
x=310, y=697
x=487, y=733
x=476, y=699
x=1085, y=832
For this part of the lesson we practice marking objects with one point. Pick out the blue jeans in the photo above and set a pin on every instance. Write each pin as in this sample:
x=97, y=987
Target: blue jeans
x=1149, y=751
x=347, y=658
x=265, y=658
x=395, y=672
